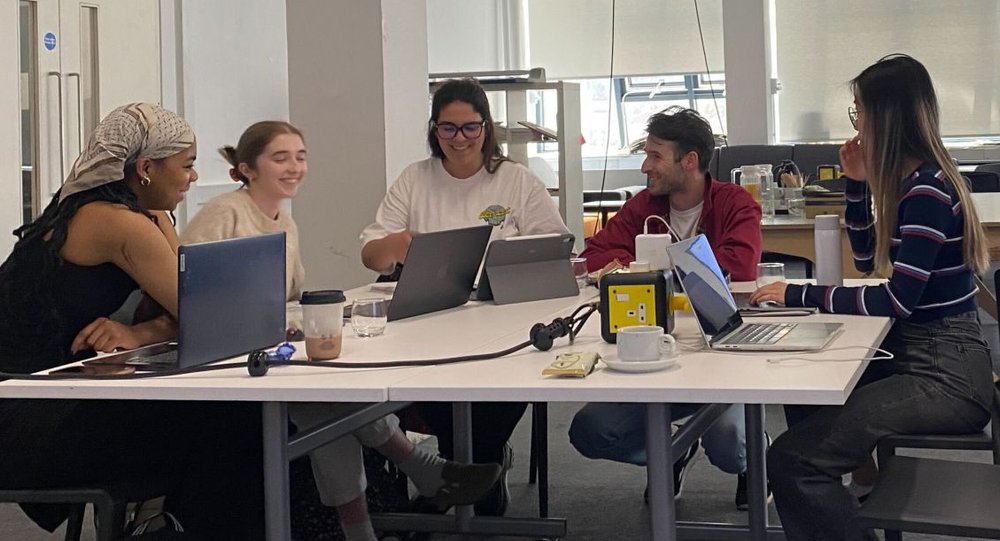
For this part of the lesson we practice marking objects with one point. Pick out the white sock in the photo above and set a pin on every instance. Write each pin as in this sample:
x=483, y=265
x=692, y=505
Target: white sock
x=359, y=531
x=424, y=469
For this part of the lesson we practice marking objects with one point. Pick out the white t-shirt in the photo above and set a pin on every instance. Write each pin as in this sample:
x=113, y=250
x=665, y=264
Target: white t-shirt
x=426, y=198
x=685, y=222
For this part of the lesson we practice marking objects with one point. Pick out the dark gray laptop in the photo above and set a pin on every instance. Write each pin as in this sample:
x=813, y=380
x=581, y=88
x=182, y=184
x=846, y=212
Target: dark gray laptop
x=440, y=271
x=530, y=268
x=230, y=301
x=716, y=311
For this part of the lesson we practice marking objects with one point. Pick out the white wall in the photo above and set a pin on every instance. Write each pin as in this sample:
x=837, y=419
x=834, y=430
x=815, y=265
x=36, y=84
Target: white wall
x=10, y=127
x=234, y=62
x=749, y=115
x=360, y=96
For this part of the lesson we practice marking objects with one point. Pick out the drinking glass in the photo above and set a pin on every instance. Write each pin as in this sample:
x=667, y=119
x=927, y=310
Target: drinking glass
x=768, y=273
x=368, y=317
x=580, y=270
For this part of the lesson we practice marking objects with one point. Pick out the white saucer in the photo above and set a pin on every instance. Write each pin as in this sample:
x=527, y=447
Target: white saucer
x=639, y=367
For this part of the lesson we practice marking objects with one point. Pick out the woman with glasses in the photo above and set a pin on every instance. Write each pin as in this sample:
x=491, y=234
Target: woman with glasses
x=924, y=234
x=467, y=181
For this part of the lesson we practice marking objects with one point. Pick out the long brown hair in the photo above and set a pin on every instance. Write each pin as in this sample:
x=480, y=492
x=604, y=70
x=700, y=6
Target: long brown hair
x=901, y=121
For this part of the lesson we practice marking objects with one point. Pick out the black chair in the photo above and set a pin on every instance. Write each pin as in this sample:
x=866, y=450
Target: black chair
x=989, y=167
x=110, y=504
x=810, y=156
x=983, y=181
x=724, y=159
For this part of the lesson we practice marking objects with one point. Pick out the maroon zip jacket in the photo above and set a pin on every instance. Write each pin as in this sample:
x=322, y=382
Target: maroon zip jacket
x=730, y=218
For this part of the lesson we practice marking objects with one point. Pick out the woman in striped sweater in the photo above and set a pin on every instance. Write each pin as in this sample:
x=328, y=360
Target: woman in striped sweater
x=925, y=235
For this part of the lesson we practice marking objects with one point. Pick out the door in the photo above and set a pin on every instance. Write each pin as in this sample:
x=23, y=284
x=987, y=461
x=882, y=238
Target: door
x=79, y=60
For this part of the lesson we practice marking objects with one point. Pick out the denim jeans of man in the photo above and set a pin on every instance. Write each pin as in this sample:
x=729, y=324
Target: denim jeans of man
x=618, y=432
x=939, y=383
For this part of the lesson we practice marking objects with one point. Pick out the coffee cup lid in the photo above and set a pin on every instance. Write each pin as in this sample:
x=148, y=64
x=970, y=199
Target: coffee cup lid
x=324, y=296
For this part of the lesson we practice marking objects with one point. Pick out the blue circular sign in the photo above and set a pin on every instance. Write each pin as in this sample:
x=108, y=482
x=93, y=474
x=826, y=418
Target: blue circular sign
x=49, y=40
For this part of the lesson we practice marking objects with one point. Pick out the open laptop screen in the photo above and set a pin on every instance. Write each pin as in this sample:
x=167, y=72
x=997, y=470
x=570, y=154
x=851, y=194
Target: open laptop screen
x=706, y=288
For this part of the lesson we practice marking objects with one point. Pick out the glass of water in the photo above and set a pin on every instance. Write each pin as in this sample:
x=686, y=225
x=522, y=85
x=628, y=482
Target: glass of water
x=769, y=273
x=368, y=317
x=579, y=270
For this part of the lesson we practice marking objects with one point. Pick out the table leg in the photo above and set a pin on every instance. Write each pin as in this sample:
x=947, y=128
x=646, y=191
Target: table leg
x=462, y=427
x=659, y=477
x=756, y=471
x=276, y=493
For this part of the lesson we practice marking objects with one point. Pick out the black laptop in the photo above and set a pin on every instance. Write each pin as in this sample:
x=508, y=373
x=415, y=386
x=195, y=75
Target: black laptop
x=230, y=301
x=440, y=271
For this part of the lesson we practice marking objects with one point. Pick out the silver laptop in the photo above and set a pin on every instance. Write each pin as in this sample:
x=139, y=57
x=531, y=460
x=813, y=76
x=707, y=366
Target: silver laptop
x=716, y=311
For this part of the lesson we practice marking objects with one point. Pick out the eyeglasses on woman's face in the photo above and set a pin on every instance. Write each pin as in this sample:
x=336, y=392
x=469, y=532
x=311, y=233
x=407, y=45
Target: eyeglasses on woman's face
x=448, y=130
x=852, y=114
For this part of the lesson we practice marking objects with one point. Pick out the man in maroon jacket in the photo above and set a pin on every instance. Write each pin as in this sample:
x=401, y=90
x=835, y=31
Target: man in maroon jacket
x=678, y=149
x=680, y=190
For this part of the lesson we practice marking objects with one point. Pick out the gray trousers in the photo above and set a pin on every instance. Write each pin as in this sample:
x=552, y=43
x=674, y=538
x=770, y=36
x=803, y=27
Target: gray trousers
x=338, y=466
x=939, y=383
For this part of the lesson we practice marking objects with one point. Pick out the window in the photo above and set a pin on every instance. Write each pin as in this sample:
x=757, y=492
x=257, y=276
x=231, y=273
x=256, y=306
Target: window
x=821, y=46
x=619, y=109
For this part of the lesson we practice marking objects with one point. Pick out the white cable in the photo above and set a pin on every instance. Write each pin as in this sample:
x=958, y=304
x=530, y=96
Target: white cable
x=886, y=356
x=645, y=226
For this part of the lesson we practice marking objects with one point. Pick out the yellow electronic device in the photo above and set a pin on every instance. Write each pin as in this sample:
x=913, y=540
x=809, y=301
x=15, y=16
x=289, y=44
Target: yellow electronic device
x=635, y=298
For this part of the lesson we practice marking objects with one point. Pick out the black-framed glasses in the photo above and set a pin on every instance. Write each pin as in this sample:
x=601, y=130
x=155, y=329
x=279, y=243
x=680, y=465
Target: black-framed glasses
x=852, y=114
x=448, y=130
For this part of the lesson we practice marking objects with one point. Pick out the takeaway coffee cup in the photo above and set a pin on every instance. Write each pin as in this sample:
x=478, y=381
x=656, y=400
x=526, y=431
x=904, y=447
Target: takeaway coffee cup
x=323, y=322
x=644, y=343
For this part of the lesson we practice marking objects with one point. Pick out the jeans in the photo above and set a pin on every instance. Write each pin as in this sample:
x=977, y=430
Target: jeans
x=618, y=432
x=939, y=383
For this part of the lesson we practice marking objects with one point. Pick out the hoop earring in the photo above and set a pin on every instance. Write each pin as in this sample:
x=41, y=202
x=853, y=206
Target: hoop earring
x=145, y=181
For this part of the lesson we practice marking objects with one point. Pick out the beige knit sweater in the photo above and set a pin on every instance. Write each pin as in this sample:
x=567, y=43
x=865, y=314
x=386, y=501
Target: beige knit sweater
x=235, y=214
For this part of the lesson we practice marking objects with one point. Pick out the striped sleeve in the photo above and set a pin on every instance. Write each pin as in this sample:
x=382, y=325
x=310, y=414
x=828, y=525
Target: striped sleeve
x=926, y=215
x=860, y=225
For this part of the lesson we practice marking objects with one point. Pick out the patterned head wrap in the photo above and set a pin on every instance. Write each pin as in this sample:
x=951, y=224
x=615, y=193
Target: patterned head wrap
x=130, y=132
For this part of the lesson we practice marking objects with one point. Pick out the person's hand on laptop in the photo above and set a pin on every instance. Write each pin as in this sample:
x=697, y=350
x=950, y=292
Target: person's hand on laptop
x=105, y=335
x=399, y=243
x=770, y=293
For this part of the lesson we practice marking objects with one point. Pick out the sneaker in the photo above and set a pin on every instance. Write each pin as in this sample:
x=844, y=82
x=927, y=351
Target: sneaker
x=742, y=502
x=681, y=467
x=494, y=503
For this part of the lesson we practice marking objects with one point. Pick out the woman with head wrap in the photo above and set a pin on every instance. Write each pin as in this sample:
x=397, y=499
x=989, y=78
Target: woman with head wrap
x=106, y=234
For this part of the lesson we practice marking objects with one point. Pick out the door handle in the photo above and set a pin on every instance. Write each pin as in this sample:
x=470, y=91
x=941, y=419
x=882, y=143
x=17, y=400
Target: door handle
x=55, y=103
x=79, y=112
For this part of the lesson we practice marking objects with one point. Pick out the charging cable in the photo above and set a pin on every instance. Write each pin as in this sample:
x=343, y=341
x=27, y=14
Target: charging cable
x=886, y=356
x=645, y=226
x=541, y=337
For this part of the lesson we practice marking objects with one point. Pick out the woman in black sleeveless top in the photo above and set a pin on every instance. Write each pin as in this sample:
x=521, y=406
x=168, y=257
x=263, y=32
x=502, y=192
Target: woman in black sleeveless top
x=106, y=234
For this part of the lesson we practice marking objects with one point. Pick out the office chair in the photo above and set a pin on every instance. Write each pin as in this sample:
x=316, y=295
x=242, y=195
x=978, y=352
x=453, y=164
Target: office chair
x=942, y=497
x=538, y=461
x=983, y=181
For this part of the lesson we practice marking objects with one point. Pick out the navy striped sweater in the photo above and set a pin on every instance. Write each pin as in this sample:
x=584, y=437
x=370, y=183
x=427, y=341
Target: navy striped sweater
x=930, y=279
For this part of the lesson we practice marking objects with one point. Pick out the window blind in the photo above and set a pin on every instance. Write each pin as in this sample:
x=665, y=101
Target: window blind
x=572, y=38
x=822, y=45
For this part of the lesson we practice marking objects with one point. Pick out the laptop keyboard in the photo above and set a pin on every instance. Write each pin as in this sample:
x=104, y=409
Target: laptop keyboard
x=761, y=333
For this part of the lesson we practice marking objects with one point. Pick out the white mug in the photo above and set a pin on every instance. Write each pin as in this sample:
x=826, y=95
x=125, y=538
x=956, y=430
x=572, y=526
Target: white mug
x=644, y=343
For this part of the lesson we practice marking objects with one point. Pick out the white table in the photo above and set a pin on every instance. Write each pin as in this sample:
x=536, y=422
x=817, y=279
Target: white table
x=458, y=331
x=699, y=377
x=475, y=328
